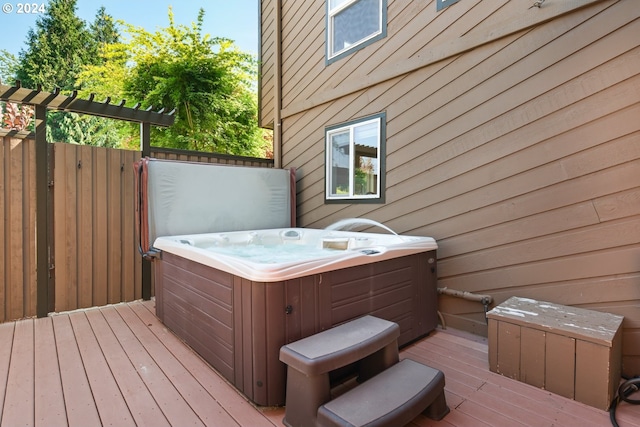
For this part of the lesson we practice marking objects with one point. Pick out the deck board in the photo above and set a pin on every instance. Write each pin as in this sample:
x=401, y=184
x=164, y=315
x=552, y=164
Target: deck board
x=185, y=384
x=143, y=407
x=119, y=365
x=6, y=339
x=233, y=403
x=49, y=407
x=79, y=401
x=174, y=407
x=19, y=398
x=460, y=367
x=111, y=406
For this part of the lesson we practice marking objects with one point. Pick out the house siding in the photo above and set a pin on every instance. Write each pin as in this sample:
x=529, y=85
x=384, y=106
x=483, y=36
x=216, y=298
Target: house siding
x=266, y=63
x=513, y=138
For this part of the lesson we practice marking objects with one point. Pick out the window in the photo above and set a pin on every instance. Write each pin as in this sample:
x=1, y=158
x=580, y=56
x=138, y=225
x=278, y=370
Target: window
x=441, y=4
x=353, y=24
x=355, y=160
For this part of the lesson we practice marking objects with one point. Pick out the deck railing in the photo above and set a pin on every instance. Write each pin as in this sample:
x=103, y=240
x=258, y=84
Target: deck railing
x=93, y=258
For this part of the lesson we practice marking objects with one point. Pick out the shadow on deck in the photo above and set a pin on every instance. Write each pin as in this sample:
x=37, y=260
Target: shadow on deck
x=118, y=365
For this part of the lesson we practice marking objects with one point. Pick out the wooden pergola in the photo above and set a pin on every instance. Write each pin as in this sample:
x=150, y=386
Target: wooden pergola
x=42, y=101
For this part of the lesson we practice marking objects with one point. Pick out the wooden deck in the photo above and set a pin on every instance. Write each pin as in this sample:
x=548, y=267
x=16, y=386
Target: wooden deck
x=119, y=366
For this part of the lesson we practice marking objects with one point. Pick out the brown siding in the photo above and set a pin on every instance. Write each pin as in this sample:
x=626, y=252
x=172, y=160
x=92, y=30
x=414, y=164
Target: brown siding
x=302, y=47
x=512, y=138
x=267, y=62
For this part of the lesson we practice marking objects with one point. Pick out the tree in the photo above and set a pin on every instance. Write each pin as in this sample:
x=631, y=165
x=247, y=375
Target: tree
x=92, y=130
x=8, y=67
x=57, y=48
x=104, y=29
x=208, y=81
x=12, y=116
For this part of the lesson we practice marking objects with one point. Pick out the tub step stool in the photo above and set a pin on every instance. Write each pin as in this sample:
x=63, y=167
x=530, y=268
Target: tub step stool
x=392, y=398
x=371, y=344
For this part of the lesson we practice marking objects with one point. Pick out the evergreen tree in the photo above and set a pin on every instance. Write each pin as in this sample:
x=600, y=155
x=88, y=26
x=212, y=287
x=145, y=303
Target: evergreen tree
x=103, y=29
x=92, y=130
x=57, y=48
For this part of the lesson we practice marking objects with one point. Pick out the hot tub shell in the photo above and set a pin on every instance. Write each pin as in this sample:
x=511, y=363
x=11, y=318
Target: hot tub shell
x=237, y=319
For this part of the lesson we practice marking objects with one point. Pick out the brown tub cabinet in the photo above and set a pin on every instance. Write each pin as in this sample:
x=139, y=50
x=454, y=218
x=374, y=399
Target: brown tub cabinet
x=238, y=325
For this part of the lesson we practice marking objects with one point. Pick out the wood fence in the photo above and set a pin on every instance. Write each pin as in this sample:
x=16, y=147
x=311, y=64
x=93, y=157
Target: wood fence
x=93, y=256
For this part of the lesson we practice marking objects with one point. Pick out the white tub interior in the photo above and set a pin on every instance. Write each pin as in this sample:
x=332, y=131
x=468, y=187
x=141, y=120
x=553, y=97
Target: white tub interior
x=279, y=254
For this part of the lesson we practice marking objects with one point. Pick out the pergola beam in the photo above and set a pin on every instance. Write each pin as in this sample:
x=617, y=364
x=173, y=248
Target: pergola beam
x=56, y=101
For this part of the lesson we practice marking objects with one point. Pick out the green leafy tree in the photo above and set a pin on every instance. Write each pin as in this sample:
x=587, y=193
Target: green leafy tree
x=208, y=81
x=8, y=67
x=10, y=114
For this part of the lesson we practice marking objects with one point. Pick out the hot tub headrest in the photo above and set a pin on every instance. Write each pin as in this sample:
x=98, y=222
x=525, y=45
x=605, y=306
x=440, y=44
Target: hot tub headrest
x=175, y=197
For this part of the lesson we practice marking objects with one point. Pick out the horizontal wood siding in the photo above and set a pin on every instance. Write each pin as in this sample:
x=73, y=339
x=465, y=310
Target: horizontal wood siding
x=513, y=138
x=267, y=63
x=17, y=229
x=303, y=46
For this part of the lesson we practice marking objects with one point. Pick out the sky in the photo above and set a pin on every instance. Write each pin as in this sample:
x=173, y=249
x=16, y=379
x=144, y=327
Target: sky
x=233, y=19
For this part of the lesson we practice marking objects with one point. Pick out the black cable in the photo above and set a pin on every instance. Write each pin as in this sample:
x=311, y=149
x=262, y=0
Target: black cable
x=625, y=390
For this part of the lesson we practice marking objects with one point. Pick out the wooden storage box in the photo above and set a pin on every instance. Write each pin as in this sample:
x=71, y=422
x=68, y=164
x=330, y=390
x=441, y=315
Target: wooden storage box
x=569, y=351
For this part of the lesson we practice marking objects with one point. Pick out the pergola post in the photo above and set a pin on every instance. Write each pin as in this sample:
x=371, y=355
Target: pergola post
x=44, y=299
x=145, y=148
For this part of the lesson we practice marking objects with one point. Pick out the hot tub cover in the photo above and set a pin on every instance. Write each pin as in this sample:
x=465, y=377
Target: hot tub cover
x=176, y=197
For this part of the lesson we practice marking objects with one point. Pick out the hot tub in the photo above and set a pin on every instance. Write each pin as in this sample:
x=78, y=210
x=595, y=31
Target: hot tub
x=237, y=297
x=235, y=279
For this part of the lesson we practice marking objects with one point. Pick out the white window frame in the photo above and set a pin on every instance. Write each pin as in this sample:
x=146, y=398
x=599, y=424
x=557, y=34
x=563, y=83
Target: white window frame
x=332, y=12
x=350, y=196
